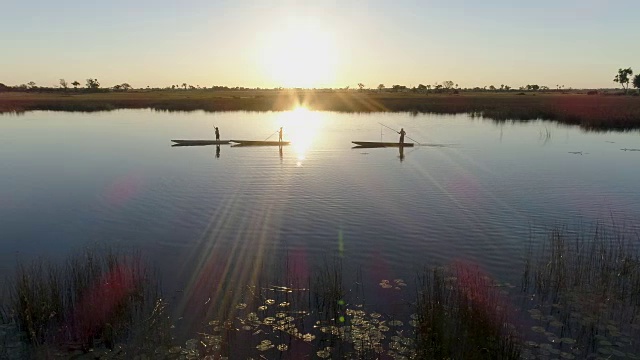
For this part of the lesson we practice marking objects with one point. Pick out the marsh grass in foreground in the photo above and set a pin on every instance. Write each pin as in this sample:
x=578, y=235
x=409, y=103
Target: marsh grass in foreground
x=462, y=314
x=581, y=300
x=98, y=299
x=458, y=313
x=583, y=296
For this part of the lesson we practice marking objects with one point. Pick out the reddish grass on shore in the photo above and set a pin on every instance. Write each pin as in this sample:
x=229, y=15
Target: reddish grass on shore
x=597, y=112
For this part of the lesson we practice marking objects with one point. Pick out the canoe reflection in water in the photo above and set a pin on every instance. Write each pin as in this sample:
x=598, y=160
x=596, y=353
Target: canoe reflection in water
x=217, y=151
x=401, y=150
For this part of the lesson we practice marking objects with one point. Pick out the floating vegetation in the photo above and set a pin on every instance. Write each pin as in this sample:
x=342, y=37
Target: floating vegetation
x=586, y=294
x=582, y=300
x=330, y=323
x=265, y=345
x=325, y=353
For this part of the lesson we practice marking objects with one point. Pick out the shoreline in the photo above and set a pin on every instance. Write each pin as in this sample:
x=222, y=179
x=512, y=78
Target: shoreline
x=591, y=112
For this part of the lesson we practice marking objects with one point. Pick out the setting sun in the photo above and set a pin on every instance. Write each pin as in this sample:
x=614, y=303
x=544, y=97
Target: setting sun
x=299, y=55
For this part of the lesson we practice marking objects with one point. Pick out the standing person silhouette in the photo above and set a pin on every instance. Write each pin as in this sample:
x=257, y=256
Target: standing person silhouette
x=280, y=134
x=402, y=134
x=217, y=133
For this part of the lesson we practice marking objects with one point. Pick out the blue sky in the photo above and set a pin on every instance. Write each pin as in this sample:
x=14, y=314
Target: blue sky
x=473, y=43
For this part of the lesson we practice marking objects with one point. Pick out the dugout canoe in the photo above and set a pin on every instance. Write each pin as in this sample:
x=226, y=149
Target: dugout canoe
x=373, y=144
x=200, y=142
x=259, y=143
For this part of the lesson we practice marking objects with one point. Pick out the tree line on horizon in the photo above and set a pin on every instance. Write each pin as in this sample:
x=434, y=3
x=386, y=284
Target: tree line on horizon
x=623, y=77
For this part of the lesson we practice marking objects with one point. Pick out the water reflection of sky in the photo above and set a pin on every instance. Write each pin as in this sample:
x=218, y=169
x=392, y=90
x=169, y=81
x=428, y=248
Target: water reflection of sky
x=302, y=127
x=70, y=179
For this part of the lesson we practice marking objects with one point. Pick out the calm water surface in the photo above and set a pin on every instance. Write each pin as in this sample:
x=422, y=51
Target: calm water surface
x=478, y=193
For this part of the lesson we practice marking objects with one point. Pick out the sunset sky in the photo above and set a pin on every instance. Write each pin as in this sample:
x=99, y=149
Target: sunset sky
x=157, y=43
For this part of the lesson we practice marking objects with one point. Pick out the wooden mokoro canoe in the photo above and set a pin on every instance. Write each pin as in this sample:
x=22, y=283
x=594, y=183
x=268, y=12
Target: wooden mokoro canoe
x=259, y=143
x=372, y=144
x=200, y=142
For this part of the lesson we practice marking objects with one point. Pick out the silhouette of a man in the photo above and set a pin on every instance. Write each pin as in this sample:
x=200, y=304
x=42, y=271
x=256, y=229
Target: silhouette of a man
x=402, y=133
x=217, y=133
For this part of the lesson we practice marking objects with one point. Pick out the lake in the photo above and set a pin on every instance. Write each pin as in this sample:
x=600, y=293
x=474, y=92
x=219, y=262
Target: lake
x=478, y=191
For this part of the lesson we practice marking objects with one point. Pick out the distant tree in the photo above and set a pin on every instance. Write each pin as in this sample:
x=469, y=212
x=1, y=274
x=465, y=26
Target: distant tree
x=184, y=85
x=93, y=84
x=381, y=87
x=173, y=87
x=636, y=82
x=63, y=84
x=502, y=87
x=492, y=88
x=397, y=88
x=126, y=86
x=457, y=86
x=31, y=84
x=428, y=87
x=507, y=87
x=191, y=87
x=447, y=84
x=117, y=87
x=361, y=86
x=422, y=87
x=75, y=84
x=623, y=78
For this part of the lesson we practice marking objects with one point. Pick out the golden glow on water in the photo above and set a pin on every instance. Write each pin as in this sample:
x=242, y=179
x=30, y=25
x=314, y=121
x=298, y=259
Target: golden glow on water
x=301, y=127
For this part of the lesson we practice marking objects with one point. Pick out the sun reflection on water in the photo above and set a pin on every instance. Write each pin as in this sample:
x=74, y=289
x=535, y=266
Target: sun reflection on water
x=301, y=127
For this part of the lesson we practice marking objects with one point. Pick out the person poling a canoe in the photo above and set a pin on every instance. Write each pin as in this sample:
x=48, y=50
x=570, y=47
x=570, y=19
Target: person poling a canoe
x=217, y=133
x=280, y=134
x=402, y=134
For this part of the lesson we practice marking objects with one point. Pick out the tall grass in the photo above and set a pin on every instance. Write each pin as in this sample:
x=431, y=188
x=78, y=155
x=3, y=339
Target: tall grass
x=584, y=292
x=463, y=315
x=98, y=298
x=458, y=313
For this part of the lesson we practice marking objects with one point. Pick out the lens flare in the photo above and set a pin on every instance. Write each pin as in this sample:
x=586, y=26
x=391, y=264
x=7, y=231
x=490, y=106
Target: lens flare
x=302, y=127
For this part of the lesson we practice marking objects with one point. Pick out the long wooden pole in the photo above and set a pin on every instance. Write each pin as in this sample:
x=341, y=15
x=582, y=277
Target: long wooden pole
x=399, y=132
x=271, y=135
